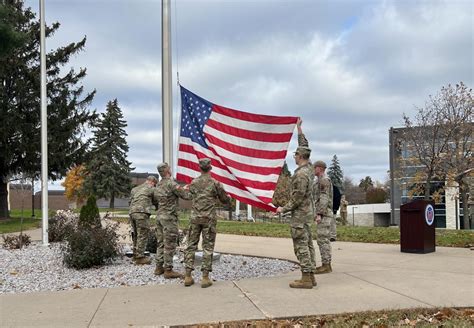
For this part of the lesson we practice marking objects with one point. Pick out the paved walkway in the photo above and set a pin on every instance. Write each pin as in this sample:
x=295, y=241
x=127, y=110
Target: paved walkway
x=365, y=277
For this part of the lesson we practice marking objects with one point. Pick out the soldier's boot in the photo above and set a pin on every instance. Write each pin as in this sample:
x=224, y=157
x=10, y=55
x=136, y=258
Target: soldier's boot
x=305, y=281
x=313, y=280
x=170, y=274
x=142, y=260
x=205, y=282
x=325, y=268
x=188, y=278
x=159, y=270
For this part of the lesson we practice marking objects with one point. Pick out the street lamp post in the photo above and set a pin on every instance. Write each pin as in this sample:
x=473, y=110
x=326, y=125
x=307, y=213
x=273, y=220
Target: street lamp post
x=353, y=220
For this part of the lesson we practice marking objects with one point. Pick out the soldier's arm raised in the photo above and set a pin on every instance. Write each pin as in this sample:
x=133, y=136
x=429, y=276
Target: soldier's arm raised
x=302, y=141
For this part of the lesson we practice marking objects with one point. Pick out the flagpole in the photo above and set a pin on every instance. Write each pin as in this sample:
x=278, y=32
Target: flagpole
x=44, y=128
x=166, y=100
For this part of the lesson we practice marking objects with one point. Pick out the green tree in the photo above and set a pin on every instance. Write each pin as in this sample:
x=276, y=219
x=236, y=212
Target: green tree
x=366, y=183
x=108, y=171
x=9, y=38
x=68, y=112
x=335, y=173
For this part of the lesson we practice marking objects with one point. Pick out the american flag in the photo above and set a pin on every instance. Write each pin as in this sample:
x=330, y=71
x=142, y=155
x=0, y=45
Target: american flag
x=247, y=151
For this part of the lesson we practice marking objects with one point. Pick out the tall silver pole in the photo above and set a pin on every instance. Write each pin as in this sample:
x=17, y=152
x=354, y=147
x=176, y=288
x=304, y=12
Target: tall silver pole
x=166, y=100
x=44, y=129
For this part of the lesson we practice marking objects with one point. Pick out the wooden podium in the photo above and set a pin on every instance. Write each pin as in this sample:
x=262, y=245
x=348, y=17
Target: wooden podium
x=417, y=227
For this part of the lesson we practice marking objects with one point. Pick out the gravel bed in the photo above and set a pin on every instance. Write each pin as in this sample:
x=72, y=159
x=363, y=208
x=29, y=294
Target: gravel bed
x=38, y=268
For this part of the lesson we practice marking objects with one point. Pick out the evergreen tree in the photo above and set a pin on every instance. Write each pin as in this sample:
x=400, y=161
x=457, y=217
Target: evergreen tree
x=68, y=113
x=335, y=173
x=9, y=38
x=366, y=183
x=108, y=171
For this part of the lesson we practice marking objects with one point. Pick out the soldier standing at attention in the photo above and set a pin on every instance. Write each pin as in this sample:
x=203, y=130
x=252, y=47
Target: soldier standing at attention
x=324, y=213
x=344, y=204
x=301, y=205
x=141, y=200
x=166, y=195
x=204, y=192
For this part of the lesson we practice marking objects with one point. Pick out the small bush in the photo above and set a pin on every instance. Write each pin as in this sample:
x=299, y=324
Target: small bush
x=90, y=216
x=16, y=242
x=61, y=225
x=86, y=248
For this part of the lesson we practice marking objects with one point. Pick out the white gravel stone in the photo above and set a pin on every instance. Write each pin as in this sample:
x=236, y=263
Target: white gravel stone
x=39, y=268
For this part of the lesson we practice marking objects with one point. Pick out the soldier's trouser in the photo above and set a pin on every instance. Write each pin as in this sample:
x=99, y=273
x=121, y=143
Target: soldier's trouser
x=332, y=228
x=208, y=231
x=167, y=240
x=301, y=241
x=344, y=218
x=141, y=229
x=312, y=253
x=323, y=239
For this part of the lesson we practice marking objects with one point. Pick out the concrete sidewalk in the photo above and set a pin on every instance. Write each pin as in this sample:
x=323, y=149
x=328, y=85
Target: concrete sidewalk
x=365, y=277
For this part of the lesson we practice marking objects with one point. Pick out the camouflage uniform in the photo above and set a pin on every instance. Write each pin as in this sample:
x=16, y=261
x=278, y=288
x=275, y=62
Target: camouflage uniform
x=167, y=193
x=343, y=212
x=301, y=205
x=323, y=206
x=141, y=201
x=204, y=192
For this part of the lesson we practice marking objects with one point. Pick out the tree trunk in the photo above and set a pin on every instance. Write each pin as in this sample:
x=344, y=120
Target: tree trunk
x=427, y=188
x=112, y=201
x=3, y=199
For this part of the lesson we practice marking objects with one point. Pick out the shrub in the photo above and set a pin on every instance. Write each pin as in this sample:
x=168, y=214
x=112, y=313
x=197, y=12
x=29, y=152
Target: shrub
x=95, y=246
x=16, y=242
x=90, y=216
x=62, y=224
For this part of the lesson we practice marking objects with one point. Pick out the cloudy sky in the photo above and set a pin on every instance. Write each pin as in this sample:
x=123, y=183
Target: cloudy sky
x=348, y=68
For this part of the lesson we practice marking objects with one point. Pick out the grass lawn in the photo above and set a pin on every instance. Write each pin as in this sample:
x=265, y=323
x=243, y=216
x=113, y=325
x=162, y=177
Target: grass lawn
x=26, y=213
x=14, y=224
x=432, y=317
x=380, y=235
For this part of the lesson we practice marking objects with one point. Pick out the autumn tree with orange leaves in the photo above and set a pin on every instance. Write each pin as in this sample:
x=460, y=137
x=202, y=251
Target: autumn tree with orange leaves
x=74, y=184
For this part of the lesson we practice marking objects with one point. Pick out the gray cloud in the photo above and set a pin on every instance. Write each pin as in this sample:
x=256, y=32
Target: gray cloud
x=348, y=68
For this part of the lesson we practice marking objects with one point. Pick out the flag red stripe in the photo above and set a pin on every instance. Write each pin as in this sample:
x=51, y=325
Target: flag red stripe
x=240, y=184
x=255, y=153
x=237, y=165
x=247, y=134
x=184, y=178
x=265, y=119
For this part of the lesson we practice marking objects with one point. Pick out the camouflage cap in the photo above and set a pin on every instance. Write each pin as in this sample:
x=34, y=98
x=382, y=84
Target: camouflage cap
x=205, y=163
x=152, y=178
x=302, y=150
x=161, y=167
x=319, y=164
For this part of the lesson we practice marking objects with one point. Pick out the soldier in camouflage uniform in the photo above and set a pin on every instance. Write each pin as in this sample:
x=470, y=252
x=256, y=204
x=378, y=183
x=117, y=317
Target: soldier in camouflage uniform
x=204, y=192
x=343, y=211
x=141, y=201
x=323, y=206
x=166, y=195
x=301, y=206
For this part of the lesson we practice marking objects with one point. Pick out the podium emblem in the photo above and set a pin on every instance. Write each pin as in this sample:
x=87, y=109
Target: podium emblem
x=429, y=214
